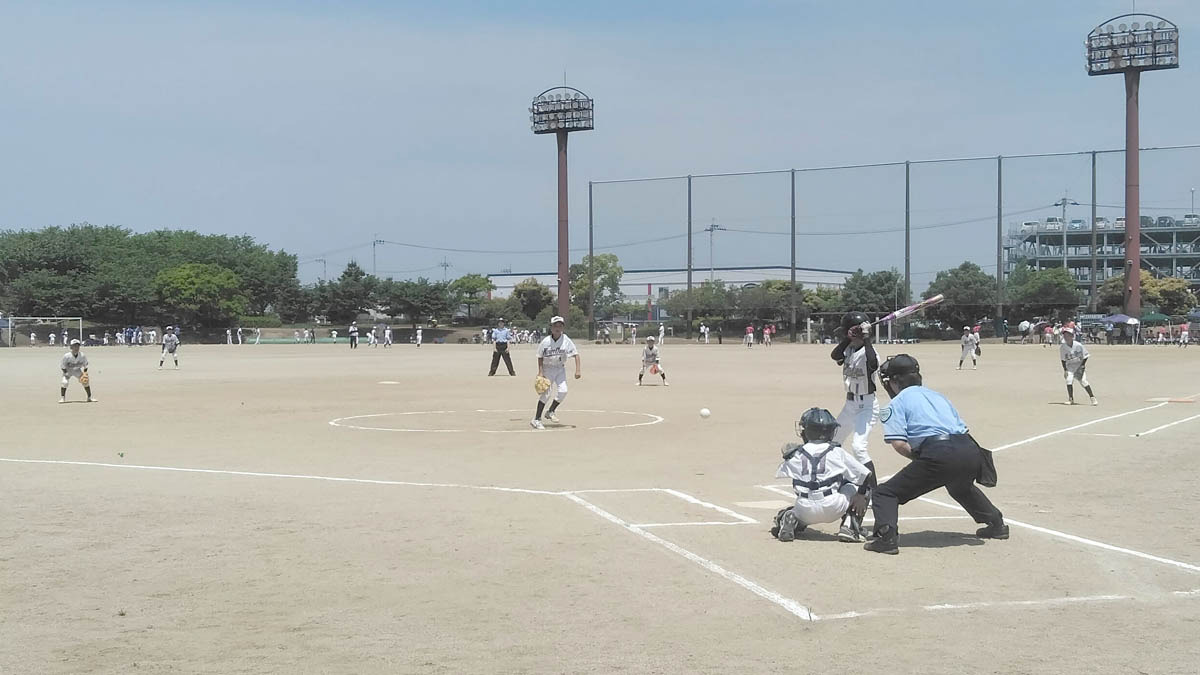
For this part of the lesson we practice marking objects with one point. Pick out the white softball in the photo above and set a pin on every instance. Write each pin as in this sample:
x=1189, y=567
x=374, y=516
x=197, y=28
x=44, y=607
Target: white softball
x=705, y=412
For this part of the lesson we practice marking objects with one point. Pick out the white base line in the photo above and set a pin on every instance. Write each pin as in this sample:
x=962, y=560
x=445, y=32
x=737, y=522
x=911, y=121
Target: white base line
x=1077, y=426
x=709, y=522
x=259, y=474
x=1080, y=540
x=1150, y=431
x=978, y=605
x=720, y=509
x=786, y=603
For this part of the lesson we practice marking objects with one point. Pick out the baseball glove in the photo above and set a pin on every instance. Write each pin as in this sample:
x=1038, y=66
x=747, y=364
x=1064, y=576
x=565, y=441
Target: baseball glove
x=84, y=379
x=541, y=384
x=654, y=369
x=978, y=351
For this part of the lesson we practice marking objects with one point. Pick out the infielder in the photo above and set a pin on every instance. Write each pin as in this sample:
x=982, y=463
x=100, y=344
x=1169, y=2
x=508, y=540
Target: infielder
x=387, y=337
x=1074, y=358
x=829, y=483
x=75, y=364
x=552, y=354
x=170, y=345
x=52, y=337
x=353, y=335
x=858, y=360
x=970, y=342
x=650, y=359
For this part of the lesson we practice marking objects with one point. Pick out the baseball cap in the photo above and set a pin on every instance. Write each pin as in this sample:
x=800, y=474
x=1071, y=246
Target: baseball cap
x=75, y=342
x=500, y=320
x=1069, y=329
x=557, y=319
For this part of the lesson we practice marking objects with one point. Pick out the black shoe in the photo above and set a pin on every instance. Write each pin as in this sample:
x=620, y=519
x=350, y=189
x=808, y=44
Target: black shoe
x=883, y=545
x=993, y=531
x=789, y=525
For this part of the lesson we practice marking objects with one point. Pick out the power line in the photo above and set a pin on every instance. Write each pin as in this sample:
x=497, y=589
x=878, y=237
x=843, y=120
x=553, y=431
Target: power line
x=831, y=233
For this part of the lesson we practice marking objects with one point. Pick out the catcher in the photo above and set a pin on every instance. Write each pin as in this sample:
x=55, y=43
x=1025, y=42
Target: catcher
x=650, y=360
x=75, y=364
x=829, y=482
x=553, y=353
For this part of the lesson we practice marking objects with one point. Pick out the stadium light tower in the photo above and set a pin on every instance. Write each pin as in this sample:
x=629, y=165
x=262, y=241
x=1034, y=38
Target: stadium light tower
x=559, y=111
x=1135, y=42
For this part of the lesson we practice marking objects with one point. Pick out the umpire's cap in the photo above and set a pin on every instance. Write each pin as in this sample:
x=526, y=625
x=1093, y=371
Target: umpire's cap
x=818, y=424
x=900, y=364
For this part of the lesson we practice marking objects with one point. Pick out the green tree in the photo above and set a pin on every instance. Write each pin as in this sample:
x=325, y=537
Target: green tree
x=533, y=296
x=419, y=300
x=607, y=270
x=1043, y=293
x=201, y=294
x=576, y=321
x=351, y=295
x=470, y=289
x=823, y=300
x=875, y=293
x=969, y=292
x=1172, y=295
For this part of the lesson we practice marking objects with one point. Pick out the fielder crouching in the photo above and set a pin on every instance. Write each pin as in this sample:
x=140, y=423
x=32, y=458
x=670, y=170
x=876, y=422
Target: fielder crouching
x=830, y=483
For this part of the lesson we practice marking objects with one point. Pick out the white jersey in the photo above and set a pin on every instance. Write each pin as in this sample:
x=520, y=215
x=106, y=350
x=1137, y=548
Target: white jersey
x=170, y=343
x=969, y=340
x=554, y=353
x=820, y=469
x=1073, y=354
x=650, y=355
x=73, y=364
x=856, y=374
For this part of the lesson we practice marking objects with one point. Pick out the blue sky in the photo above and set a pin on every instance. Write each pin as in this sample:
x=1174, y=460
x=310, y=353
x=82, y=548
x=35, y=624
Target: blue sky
x=316, y=126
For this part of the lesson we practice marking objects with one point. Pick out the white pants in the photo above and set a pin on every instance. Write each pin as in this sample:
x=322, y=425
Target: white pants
x=1072, y=375
x=967, y=351
x=558, y=385
x=66, y=379
x=646, y=366
x=167, y=354
x=827, y=509
x=749, y=339
x=856, y=420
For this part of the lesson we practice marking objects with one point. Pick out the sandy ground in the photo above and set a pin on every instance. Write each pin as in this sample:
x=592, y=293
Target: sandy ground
x=111, y=563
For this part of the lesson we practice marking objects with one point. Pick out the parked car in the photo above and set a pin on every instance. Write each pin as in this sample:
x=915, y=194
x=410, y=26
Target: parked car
x=1166, y=221
x=1029, y=226
x=1054, y=224
x=1077, y=224
x=1191, y=219
x=1146, y=221
x=1102, y=223
x=1120, y=224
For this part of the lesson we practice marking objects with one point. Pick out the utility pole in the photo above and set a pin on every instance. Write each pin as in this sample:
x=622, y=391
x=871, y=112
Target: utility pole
x=374, y=243
x=1064, y=203
x=711, y=229
x=445, y=265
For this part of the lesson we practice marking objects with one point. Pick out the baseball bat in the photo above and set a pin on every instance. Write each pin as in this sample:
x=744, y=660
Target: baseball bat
x=911, y=309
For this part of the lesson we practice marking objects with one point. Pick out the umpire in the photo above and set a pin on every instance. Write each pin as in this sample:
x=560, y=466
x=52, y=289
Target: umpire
x=500, y=337
x=922, y=425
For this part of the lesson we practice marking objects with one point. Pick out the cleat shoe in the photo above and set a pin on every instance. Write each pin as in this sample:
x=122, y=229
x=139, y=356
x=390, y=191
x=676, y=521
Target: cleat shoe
x=666, y=384
x=551, y=417
x=848, y=535
x=883, y=545
x=789, y=524
x=93, y=400
x=536, y=424
x=1070, y=402
x=1094, y=401
x=62, y=399
x=994, y=531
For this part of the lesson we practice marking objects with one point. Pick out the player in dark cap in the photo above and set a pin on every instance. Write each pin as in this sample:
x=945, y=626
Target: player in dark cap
x=923, y=426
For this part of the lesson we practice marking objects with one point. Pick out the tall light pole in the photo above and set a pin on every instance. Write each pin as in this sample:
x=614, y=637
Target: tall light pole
x=1193, y=209
x=1147, y=42
x=559, y=111
x=710, y=230
x=1064, y=203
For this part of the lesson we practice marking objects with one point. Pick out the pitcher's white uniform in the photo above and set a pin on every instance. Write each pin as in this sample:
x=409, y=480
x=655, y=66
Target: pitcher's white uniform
x=1073, y=356
x=554, y=355
x=824, y=477
x=861, y=411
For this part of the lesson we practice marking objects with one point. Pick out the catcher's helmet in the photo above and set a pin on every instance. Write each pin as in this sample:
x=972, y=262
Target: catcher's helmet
x=852, y=319
x=817, y=424
x=900, y=364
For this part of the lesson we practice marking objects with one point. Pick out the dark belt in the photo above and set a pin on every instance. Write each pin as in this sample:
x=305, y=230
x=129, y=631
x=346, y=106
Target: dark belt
x=855, y=397
x=823, y=492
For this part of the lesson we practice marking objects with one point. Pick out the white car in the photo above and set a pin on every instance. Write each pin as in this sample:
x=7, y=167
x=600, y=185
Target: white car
x=1078, y=224
x=1191, y=219
x=1102, y=223
x=1054, y=224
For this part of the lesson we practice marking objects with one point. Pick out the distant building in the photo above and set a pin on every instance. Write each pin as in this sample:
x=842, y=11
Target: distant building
x=1169, y=248
x=654, y=286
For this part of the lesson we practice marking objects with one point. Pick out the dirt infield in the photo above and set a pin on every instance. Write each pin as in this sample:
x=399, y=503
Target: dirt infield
x=306, y=508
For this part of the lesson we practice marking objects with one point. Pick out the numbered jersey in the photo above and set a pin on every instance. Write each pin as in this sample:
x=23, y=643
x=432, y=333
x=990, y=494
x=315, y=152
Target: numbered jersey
x=554, y=353
x=1072, y=354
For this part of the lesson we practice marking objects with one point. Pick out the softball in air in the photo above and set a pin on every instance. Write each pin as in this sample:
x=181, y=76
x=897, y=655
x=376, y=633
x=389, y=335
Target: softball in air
x=705, y=412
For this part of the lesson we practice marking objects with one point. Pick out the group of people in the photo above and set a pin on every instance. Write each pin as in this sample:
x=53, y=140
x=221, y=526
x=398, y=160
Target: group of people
x=517, y=337
x=232, y=334
x=74, y=364
x=922, y=425
x=765, y=335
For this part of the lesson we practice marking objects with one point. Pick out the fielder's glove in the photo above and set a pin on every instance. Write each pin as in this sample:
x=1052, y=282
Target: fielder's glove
x=541, y=384
x=84, y=379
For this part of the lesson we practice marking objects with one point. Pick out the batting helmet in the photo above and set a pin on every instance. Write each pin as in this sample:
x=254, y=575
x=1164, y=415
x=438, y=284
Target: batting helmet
x=817, y=424
x=852, y=319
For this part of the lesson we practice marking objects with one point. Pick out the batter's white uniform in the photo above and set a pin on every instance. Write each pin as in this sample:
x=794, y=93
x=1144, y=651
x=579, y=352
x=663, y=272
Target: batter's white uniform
x=824, y=477
x=554, y=355
x=73, y=365
x=861, y=411
x=1073, y=355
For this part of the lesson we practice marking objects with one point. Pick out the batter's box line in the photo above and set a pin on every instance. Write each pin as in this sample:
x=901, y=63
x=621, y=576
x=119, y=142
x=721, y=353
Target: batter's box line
x=740, y=519
x=1047, y=531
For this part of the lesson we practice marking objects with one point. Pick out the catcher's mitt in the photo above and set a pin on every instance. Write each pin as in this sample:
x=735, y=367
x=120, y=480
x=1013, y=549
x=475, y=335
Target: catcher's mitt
x=84, y=379
x=541, y=384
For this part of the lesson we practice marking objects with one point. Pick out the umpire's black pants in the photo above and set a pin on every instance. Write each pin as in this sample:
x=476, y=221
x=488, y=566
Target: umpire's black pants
x=953, y=462
x=501, y=351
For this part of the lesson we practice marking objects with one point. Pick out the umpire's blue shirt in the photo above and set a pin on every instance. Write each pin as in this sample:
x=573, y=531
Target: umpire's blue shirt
x=501, y=334
x=917, y=413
